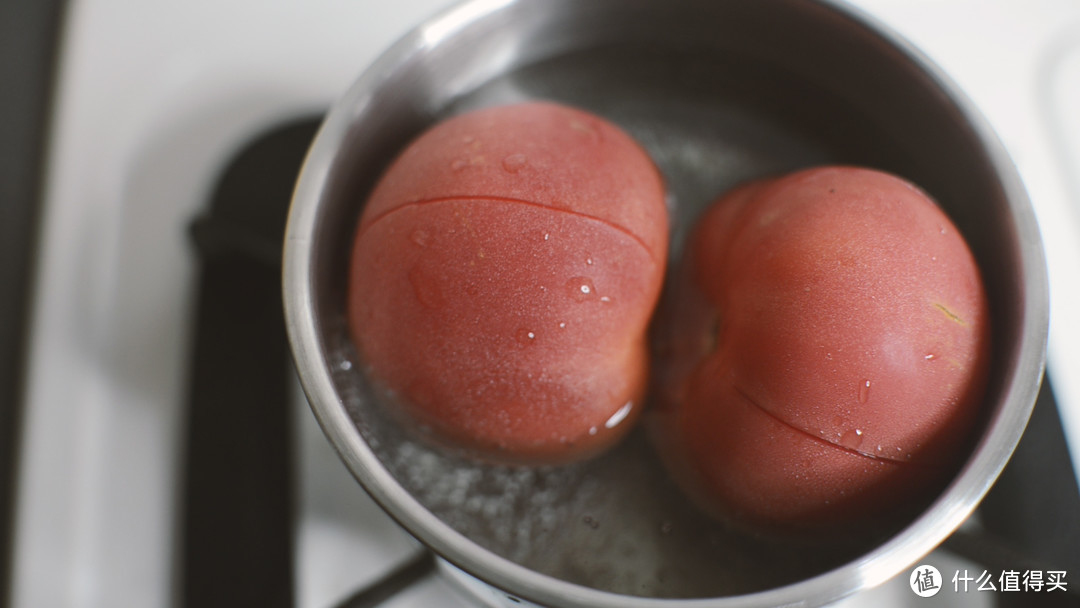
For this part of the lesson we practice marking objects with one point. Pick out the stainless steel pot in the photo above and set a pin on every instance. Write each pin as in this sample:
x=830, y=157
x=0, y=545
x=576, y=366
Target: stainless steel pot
x=718, y=92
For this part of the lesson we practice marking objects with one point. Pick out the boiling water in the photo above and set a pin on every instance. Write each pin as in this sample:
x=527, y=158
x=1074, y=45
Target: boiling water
x=616, y=523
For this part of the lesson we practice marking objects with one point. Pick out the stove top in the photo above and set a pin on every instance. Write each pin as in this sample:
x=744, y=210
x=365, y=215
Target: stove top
x=160, y=410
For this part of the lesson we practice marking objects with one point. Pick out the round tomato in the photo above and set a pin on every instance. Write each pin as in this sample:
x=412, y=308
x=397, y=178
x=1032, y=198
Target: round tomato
x=504, y=272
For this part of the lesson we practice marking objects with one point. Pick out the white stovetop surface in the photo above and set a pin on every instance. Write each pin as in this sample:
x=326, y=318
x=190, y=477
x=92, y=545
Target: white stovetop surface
x=154, y=98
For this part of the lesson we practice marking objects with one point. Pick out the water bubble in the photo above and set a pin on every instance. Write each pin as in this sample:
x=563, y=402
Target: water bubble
x=345, y=365
x=459, y=164
x=588, y=261
x=562, y=324
x=421, y=237
x=547, y=236
x=592, y=523
x=864, y=391
x=593, y=430
x=666, y=527
x=514, y=163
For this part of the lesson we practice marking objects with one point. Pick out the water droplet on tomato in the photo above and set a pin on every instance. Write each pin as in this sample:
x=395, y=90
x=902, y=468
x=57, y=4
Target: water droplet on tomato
x=526, y=337
x=421, y=237
x=619, y=415
x=588, y=129
x=426, y=287
x=864, y=391
x=581, y=289
x=514, y=163
x=852, y=439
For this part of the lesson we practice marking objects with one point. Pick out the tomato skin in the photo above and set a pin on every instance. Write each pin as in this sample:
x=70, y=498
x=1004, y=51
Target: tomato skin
x=503, y=276
x=845, y=355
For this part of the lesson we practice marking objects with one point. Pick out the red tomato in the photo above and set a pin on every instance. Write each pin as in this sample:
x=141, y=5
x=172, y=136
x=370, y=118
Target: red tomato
x=503, y=275
x=830, y=349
